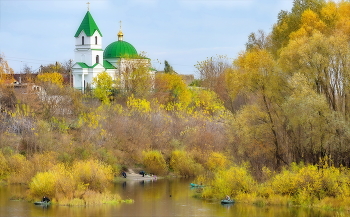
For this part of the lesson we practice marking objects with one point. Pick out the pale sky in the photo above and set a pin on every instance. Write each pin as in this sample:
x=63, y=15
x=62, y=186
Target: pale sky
x=183, y=32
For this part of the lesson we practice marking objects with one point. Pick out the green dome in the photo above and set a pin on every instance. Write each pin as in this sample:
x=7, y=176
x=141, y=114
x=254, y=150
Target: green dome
x=119, y=49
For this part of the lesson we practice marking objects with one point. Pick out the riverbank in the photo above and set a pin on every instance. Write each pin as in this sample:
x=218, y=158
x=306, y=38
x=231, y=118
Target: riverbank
x=131, y=175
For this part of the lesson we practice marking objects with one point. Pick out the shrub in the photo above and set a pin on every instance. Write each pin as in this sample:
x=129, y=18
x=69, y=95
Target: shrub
x=183, y=164
x=44, y=162
x=22, y=170
x=4, y=167
x=94, y=173
x=154, y=162
x=233, y=181
x=43, y=183
x=66, y=183
x=217, y=161
x=307, y=184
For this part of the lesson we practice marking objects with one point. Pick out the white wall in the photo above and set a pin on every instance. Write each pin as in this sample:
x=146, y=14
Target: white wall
x=84, y=53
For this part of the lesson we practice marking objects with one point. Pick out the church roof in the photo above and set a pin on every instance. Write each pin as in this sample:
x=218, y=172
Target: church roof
x=85, y=66
x=88, y=25
x=119, y=49
x=108, y=65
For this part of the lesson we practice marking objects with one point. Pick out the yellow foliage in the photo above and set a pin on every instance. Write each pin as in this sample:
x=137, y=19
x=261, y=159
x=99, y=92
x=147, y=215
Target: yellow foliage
x=66, y=183
x=53, y=78
x=141, y=106
x=44, y=161
x=43, y=184
x=91, y=119
x=217, y=161
x=94, y=173
x=183, y=164
x=233, y=181
x=6, y=72
x=4, y=167
x=21, y=169
x=103, y=83
x=154, y=162
x=208, y=102
x=311, y=182
x=330, y=14
x=171, y=89
x=310, y=22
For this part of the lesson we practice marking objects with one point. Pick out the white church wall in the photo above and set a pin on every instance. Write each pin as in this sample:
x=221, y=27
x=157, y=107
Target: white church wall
x=89, y=42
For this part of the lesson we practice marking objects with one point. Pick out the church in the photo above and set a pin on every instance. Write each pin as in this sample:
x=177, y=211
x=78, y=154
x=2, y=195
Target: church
x=117, y=59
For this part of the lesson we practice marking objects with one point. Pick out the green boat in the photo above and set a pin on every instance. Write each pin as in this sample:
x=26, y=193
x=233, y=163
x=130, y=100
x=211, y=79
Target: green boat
x=227, y=201
x=196, y=185
x=42, y=203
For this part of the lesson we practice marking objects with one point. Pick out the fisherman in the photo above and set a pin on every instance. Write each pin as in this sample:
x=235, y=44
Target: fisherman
x=142, y=173
x=227, y=197
x=45, y=199
x=124, y=174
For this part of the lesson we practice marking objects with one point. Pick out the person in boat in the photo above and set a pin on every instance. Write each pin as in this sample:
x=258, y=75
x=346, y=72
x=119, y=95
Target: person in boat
x=45, y=199
x=227, y=197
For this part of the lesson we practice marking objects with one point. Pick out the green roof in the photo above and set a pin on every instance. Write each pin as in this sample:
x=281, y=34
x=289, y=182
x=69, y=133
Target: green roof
x=88, y=25
x=119, y=49
x=85, y=66
x=108, y=65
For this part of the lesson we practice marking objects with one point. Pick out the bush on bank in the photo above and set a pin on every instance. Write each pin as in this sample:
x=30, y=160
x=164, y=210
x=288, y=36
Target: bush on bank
x=299, y=185
x=86, y=181
x=83, y=183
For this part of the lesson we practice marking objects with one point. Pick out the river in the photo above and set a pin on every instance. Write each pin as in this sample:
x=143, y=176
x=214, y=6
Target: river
x=159, y=198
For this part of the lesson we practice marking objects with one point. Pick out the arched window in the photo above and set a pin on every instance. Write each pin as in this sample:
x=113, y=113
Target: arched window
x=95, y=39
x=97, y=59
x=82, y=40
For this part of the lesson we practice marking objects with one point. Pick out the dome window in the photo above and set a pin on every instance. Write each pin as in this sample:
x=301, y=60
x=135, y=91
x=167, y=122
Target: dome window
x=97, y=59
x=96, y=40
x=82, y=40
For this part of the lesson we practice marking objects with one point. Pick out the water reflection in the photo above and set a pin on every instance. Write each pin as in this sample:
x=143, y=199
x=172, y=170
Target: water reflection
x=152, y=198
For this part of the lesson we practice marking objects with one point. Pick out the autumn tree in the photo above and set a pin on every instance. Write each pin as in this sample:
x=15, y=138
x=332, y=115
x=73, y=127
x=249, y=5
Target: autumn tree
x=259, y=124
x=212, y=75
x=135, y=76
x=6, y=72
x=288, y=22
x=170, y=88
x=310, y=122
x=324, y=61
x=103, y=87
x=259, y=40
x=54, y=78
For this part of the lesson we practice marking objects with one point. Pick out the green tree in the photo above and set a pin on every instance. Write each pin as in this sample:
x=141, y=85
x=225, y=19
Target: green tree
x=168, y=68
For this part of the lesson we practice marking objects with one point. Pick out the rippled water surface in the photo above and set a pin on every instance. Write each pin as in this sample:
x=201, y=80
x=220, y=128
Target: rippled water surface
x=152, y=198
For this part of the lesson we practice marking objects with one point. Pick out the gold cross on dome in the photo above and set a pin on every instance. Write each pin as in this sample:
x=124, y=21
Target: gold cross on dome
x=88, y=5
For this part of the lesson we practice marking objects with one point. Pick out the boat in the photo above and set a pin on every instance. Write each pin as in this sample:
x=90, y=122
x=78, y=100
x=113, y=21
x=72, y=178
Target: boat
x=196, y=185
x=42, y=203
x=227, y=201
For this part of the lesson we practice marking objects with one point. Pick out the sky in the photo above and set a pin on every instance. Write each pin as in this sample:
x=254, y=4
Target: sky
x=182, y=32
